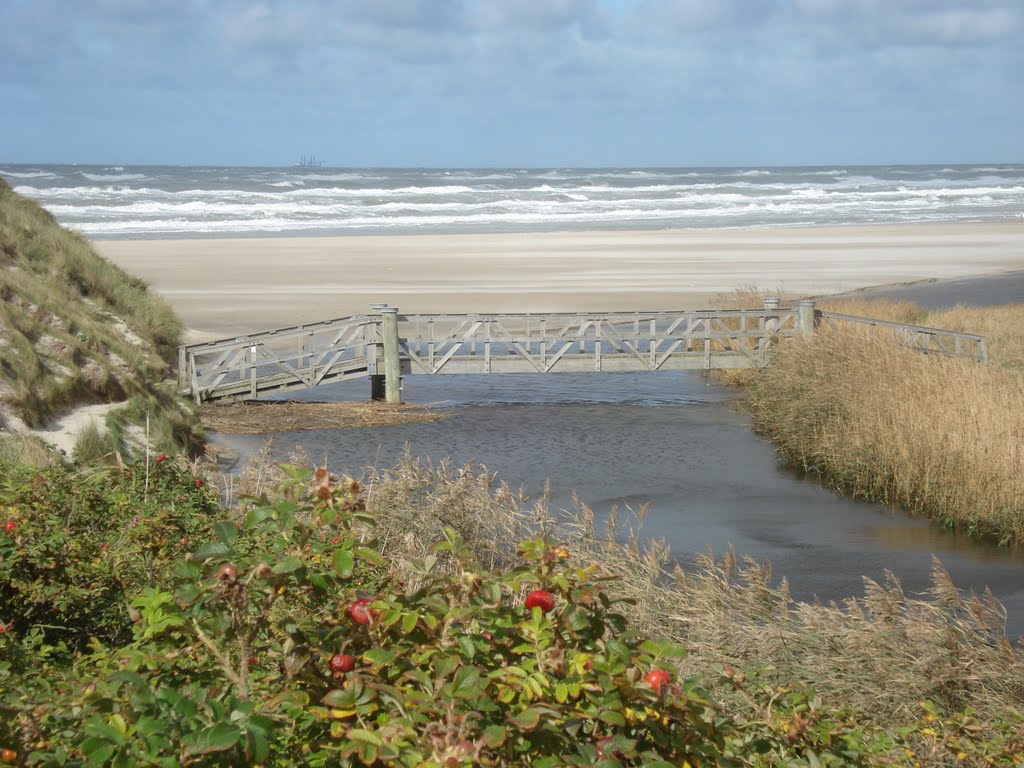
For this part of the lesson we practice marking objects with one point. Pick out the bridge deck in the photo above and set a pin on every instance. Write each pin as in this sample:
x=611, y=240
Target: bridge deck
x=305, y=356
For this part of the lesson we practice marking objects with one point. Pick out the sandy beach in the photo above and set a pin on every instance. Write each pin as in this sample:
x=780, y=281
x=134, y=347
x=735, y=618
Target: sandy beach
x=226, y=286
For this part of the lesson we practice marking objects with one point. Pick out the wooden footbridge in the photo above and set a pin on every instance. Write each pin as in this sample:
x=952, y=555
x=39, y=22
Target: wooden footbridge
x=384, y=345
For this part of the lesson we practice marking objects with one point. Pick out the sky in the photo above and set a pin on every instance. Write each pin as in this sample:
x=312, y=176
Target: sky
x=512, y=83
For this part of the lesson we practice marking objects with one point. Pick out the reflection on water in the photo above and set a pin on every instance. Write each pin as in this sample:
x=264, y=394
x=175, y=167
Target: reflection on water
x=676, y=441
x=918, y=538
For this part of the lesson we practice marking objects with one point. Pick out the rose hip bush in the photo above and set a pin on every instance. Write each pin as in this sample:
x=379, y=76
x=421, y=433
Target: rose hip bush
x=283, y=639
x=75, y=544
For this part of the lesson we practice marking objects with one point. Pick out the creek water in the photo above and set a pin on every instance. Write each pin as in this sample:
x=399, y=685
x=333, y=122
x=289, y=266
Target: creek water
x=676, y=440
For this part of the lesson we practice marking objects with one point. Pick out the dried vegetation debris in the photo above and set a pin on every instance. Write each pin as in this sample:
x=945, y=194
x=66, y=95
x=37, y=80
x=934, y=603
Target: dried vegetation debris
x=257, y=418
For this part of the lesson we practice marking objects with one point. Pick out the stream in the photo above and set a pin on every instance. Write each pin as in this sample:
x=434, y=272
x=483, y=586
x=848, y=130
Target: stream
x=678, y=441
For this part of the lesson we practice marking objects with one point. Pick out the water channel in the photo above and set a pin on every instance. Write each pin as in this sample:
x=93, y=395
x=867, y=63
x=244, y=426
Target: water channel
x=680, y=442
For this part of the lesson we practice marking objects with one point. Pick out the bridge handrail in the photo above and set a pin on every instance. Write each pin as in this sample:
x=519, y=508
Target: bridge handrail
x=275, y=333
x=910, y=328
x=903, y=326
x=632, y=315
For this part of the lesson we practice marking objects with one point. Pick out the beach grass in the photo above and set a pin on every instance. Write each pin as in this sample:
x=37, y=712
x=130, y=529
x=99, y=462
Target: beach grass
x=76, y=329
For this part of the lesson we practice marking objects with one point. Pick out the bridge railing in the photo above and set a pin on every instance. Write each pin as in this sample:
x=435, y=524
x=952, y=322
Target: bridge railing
x=933, y=341
x=307, y=355
x=279, y=360
x=542, y=343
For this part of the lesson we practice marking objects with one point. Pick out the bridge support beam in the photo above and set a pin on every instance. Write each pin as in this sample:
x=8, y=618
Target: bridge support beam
x=805, y=317
x=392, y=361
x=376, y=376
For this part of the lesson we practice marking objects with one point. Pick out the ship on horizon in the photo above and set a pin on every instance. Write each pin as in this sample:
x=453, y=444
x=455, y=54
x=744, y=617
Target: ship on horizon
x=310, y=162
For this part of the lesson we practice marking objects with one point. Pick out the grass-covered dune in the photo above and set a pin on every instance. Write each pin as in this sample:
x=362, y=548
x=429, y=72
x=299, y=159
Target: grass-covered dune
x=75, y=330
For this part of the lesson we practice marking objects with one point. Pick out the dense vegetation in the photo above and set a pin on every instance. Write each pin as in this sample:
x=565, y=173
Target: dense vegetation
x=936, y=435
x=145, y=625
x=75, y=329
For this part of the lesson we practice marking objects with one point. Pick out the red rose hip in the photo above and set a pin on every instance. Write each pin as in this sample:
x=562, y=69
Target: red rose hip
x=360, y=612
x=542, y=599
x=342, y=662
x=657, y=678
x=10, y=525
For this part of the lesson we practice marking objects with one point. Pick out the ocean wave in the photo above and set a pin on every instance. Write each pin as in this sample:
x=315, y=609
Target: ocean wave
x=112, y=176
x=28, y=174
x=339, y=177
x=131, y=201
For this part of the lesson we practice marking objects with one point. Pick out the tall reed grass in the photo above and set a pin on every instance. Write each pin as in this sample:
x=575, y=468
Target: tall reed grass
x=939, y=436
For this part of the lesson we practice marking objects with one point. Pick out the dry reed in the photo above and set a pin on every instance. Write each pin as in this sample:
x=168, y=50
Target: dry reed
x=878, y=654
x=1001, y=326
x=937, y=435
x=878, y=309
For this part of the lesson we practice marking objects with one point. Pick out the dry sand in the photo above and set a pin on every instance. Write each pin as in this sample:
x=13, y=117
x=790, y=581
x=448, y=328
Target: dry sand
x=225, y=287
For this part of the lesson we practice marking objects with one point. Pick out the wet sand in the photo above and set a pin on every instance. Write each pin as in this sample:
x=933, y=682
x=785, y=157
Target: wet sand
x=226, y=286
x=1005, y=288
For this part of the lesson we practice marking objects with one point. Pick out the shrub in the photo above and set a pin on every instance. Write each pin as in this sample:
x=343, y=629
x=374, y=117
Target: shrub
x=79, y=543
x=287, y=640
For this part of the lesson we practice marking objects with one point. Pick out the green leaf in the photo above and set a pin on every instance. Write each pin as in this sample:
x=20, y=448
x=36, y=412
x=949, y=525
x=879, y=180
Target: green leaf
x=651, y=647
x=289, y=564
x=97, y=751
x=211, y=550
x=494, y=735
x=257, y=747
x=527, y=719
x=344, y=562
x=467, y=683
x=103, y=731
x=219, y=738
x=341, y=698
x=226, y=531
x=257, y=516
x=467, y=645
x=612, y=717
x=319, y=582
x=369, y=555
x=409, y=622
x=148, y=726
x=365, y=736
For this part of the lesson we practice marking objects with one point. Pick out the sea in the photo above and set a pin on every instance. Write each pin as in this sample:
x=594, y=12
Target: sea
x=126, y=201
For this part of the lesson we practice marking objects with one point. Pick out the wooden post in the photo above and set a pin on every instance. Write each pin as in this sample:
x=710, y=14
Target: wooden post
x=392, y=363
x=769, y=324
x=805, y=317
x=376, y=378
x=183, y=376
